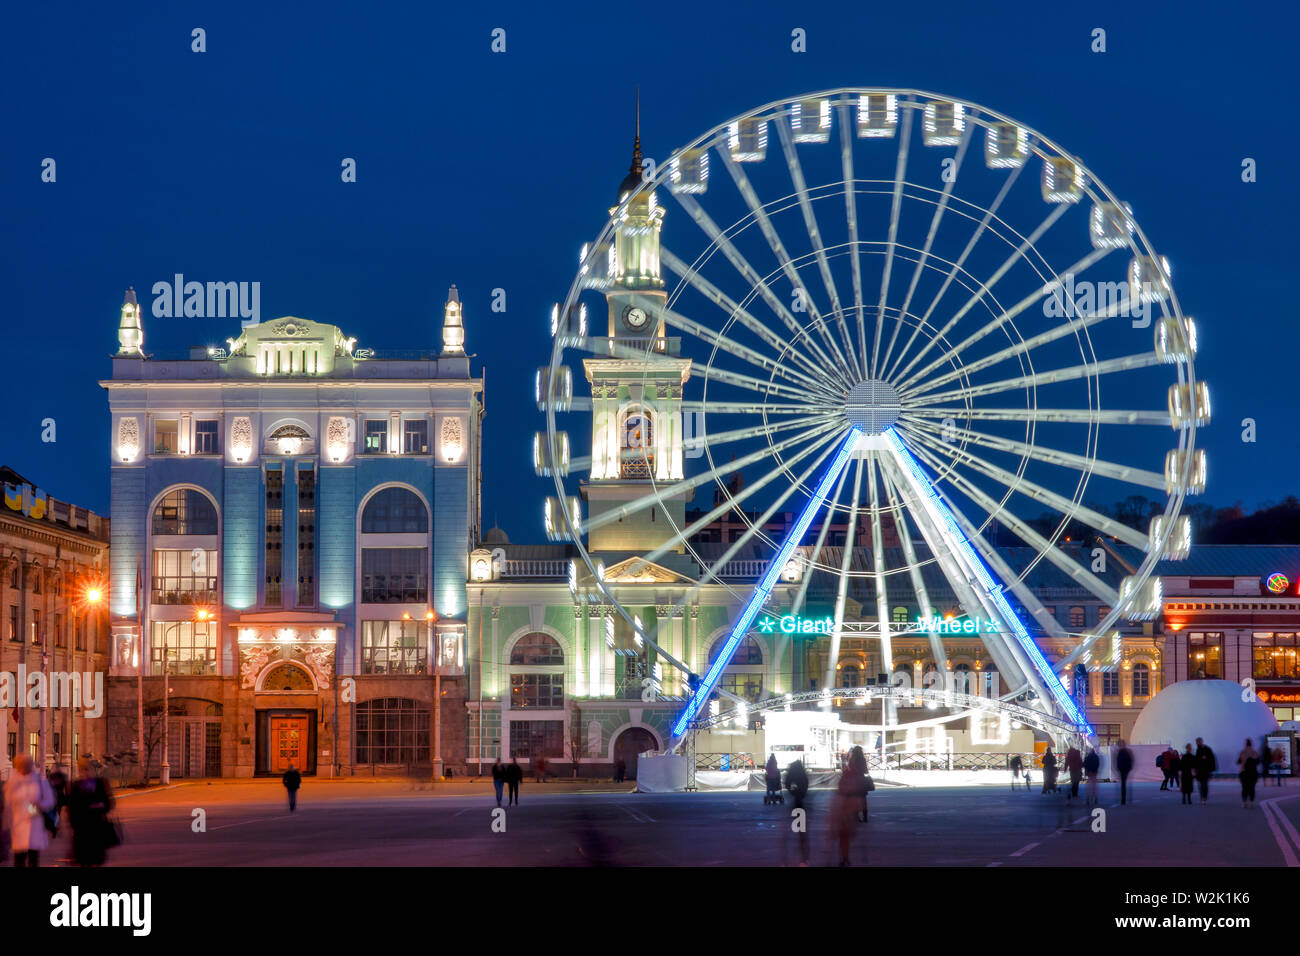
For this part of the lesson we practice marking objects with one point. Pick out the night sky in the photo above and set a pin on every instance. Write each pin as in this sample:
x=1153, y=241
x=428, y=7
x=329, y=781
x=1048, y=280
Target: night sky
x=490, y=170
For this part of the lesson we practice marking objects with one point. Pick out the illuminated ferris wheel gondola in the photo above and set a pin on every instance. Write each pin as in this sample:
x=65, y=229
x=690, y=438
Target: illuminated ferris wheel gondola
x=907, y=316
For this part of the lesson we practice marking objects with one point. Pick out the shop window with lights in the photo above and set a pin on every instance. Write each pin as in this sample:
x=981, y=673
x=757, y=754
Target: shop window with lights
x=1204, y=656
x=1274, y=656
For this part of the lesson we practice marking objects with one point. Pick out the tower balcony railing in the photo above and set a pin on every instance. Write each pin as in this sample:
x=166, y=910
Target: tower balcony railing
x=535, y=568
x=634, y=346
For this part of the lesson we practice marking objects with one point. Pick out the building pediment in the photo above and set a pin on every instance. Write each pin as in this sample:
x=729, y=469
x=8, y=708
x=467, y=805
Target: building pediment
x=640, y=571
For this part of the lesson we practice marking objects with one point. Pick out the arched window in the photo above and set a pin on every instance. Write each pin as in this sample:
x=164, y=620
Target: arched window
x=185, y=511
x=1078, y=617
x=537, y=650
x=961, y=679
x=1141, y=680
x=900, y=615
x=533, y=689
x=850, y=675
x=395, y=511
x=392, y=730
x=636, y=444
x=748, y=651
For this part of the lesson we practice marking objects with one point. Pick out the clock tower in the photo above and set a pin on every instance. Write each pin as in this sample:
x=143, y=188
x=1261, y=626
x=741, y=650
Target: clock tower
x=636, y=391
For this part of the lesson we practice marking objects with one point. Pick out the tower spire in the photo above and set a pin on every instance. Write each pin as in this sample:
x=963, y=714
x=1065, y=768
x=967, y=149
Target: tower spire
x=632, y=181
x=130, y=333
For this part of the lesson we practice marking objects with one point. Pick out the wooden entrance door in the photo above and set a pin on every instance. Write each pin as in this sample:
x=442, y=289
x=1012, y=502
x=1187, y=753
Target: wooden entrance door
x=288, y=743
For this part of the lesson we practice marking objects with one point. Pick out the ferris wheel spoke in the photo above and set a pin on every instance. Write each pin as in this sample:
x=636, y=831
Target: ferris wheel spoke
x=989, y=215
x=733, y=309
x=811, y=564
x=1066, y=415
x=1064, y=330
x=751, y=408
x=1048, y=288
x=984, y=288
x=814, y=234
x=750, y=275
x=851, y=217
x=685, y=485
x=1042, y=495
x=783, y=257
x=940, y=207
x=756, y=386
x=846, y=560
x=1075, y=571
x=1050, y=456
x=895, y=211
x=708, y=440
x=878, y=562
x=743, y=352
x=1124, y=363
x=894, y=494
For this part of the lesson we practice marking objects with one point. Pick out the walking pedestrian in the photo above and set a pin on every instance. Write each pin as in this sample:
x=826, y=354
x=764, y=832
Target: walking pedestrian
x=1205, y=767
x=1264, y=761
x=772, y=776
x=1091, y=768
x=539, y=768
x=1175, y=762
x=1279, y=763
x=1162, y=762
x=1049, y=771
x=1017, y=765
x=514, y=775
x=89, y=802
x=1187, y=773
x=292, y=780
x=850, y=802
x=1074, y=767
x=1123, y=766
x=620, y=770
x=1248, y=761
x=796, y=781
x=28, y=797
x=498, y=778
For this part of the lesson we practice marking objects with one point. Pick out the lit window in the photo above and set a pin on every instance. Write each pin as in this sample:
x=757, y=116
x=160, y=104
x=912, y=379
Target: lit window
x=1141, y=680
x=165, y=433
x=376, y=437
x=185, y=511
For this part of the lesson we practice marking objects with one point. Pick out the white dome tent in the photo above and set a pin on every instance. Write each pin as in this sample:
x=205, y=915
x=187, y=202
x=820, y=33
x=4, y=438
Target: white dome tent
x=1221, y=712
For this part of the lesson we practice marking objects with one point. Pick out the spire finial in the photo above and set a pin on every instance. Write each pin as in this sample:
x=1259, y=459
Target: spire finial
x=636, y=143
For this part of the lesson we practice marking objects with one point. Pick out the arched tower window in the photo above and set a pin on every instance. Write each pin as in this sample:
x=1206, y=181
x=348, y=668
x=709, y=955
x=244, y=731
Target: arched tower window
x=636, y=444
x=185, y=511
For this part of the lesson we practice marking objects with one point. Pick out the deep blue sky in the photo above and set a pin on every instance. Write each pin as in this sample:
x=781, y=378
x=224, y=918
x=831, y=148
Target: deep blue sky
x=490, y=170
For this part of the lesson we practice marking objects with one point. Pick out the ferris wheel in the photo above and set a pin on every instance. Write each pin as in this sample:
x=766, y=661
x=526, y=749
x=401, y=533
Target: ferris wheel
x=906, y=317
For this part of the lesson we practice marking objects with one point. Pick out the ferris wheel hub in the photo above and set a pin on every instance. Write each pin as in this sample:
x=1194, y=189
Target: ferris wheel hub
x=871, y=406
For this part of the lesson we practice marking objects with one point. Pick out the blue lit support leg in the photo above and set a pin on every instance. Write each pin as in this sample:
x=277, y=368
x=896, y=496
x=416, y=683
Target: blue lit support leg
x=981, y=575
x=764, y=588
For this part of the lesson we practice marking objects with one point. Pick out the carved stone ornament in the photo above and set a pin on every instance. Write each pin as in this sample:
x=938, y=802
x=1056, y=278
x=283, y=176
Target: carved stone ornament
x=252, y=659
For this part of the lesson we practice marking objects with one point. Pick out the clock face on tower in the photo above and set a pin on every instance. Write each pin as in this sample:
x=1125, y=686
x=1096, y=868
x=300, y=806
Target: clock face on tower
x=635, y=318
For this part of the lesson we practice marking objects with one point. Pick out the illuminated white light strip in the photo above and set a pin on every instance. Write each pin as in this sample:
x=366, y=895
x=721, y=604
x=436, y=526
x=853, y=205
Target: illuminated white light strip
x=993, y=590
x=765, y=586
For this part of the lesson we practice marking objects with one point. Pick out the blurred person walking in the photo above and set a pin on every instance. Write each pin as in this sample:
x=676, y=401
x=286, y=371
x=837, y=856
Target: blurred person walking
x=1248, y=761
x=1206, y=764
x=292, y=780
x=1049, y=771
x=1187, y=774
x=796, y=781
x=850, y=802
x=1091, y=768
x=1016, y=765
x=772, y=777
x=27, y=798
x=498, y=778
x=1124, y=767
x=89, y=803
x=1074, y=767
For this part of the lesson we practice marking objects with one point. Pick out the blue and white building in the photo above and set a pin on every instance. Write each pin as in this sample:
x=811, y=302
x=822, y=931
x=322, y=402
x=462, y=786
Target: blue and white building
x=292, y=518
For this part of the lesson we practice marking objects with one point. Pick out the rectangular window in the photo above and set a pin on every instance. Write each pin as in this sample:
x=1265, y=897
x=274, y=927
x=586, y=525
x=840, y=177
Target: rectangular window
x=274, y=536
x=1141, y=681
x=376, y=437
x=537, y=690
x=15, y=624
x=1110, y=683
x=307, y=538
x=1108, y=734
x=11, y=745
x=415, y=436
x=165, y=431
x=537, y=738
x=185, y=576
x=395, y=575
x=58, y=743
x=205, y=437
x=1275, y=657
x=36, y=626
x=189, y=647
x=60, y=639
x=1205, y=656
x=81, y=634
x=394, y=647
x=34, y=744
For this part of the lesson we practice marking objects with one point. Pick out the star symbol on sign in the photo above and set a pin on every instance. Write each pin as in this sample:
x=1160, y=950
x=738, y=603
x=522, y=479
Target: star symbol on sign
x=766, y=625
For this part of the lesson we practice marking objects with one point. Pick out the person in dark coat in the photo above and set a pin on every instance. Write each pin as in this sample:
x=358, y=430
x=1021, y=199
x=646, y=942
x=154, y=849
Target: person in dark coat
x=1074, y=767
x=89, y=802
x=1162, y=761
x=514, y=775
x=796, y=781
x=1187, y=774
x=620, y=770
x=1248, y=761
x=498, y=778
x=772, y=777
x=1205, y=767
x=850, y=802
x=1091, y=770
x=1049, y=771
x=1016, y=765
x=292, y=780
x=1124, y=767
